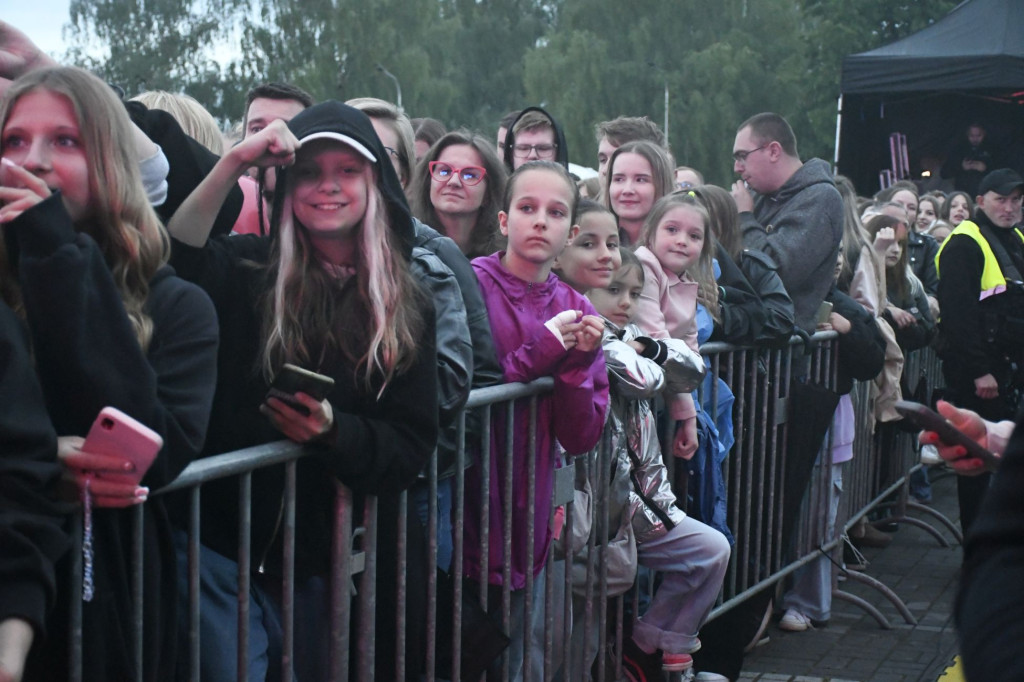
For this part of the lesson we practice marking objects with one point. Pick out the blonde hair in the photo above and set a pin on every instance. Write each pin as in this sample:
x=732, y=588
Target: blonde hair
x=120, y=220
x=371, y=317
x=194, y=119
x=399, y=123
x=703, y=271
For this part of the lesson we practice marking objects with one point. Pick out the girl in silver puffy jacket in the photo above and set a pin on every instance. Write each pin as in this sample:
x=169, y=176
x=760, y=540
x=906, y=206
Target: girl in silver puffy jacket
x=691, y=556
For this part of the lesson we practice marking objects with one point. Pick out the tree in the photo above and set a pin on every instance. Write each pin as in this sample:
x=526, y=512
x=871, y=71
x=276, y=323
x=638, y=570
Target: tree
x=467, y=62
x=834, y=29
x=157, y=44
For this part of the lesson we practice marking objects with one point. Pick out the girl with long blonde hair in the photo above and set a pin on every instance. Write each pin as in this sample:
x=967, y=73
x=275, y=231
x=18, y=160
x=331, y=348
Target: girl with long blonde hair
x=110, y=325
x=329, y=290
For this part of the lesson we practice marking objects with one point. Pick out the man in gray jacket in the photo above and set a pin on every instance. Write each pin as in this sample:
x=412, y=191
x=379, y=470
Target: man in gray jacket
x=795, y=214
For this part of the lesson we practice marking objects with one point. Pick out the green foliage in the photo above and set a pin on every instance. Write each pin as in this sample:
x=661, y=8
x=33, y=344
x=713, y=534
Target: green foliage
x=156, y=44
x=467, y=62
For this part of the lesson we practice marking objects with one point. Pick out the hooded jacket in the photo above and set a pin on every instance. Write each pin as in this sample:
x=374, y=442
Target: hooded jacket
x=379, y=446
x=561, y=149
x=573, y=414
x=380, y=442
x=87, y=356
x=800, y=227
x=477, y=370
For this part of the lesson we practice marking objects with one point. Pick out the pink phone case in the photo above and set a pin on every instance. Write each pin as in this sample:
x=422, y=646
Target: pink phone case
x=115, y=433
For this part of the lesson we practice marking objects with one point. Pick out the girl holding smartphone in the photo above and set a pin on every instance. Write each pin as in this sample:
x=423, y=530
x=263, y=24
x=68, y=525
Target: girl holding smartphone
x=84, y=262
x=329, y=291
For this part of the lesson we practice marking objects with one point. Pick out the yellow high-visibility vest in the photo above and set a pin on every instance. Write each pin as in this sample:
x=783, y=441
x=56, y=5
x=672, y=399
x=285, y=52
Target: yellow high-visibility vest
x=992, y=280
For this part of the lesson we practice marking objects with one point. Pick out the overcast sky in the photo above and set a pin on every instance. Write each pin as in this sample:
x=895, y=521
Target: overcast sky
x=42, y=20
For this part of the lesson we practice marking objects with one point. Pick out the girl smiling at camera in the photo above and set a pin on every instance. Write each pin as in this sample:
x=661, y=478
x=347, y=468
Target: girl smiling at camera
x=592, y=257
x=329, y=291
x=678, y=270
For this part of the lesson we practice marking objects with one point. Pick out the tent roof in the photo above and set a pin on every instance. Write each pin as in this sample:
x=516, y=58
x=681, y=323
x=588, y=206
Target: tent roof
x=977, y=46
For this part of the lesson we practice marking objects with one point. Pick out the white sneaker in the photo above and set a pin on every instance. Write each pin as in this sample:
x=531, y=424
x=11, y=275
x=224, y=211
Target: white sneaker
x=930, y=455
x=794, y=621
x=710, y=677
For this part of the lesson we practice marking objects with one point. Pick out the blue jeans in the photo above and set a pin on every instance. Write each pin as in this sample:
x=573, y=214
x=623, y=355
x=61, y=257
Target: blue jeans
x=218, y=620
x=920, y=486
x=419, y=496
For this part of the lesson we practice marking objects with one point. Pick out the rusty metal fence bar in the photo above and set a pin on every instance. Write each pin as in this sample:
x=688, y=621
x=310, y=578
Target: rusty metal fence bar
x=754, y=473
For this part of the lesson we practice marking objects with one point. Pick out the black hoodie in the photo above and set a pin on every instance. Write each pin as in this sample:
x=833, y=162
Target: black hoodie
x=561, y=149
x=379, y=445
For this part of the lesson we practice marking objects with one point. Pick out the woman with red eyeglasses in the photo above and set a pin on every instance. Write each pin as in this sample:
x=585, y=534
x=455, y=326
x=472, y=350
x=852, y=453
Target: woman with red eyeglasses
x=457, y=189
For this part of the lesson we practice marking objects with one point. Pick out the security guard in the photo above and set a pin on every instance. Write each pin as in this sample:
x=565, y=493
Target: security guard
x=981, y=296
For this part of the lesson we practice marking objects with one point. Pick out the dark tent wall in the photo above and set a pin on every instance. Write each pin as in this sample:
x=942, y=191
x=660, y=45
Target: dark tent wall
x=967, y=67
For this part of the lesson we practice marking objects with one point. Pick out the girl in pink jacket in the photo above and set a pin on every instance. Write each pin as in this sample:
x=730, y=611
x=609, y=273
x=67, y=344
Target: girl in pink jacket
x=677, y=257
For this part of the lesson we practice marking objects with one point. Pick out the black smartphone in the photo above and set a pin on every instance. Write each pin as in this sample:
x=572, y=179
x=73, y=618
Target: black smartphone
x=291, y=380
x=928, y=420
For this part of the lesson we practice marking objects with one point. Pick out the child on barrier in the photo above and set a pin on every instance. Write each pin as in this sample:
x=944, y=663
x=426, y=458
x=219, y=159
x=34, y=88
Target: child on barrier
x=541, y=328
x=691, y=557
x=677, y=258
x=110, y=325
x=589, y=261
x=330, y=291
x=676, y=254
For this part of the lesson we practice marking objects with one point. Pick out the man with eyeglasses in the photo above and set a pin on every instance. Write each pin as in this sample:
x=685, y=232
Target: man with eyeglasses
x=789, y=209
x=535, y=136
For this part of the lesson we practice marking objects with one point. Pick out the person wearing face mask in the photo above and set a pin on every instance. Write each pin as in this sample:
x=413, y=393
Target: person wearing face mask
x=981, y=296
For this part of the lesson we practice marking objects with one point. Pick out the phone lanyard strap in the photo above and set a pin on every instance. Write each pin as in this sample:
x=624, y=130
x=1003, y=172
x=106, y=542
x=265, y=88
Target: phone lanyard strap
x=88, y=589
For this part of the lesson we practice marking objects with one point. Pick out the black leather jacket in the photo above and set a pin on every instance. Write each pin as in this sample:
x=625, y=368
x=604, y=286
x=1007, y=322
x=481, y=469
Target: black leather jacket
x=921, y=252
x=484, y=369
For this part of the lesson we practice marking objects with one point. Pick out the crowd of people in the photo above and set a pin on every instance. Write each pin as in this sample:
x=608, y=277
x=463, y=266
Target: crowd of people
x=149, y=265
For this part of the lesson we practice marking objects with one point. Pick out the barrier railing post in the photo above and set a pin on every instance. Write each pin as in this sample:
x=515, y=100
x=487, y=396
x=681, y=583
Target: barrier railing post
x=288, y=574
x=341, y=585
x=244, y=572
x=367, y=625
x=136, y=587
x=761, y=381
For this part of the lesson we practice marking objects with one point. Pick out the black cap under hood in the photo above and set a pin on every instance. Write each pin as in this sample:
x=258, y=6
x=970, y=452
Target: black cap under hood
x=349, y=125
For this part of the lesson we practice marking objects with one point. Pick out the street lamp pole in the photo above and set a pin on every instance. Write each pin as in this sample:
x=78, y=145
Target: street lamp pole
x=398, y=87
x=666, y=112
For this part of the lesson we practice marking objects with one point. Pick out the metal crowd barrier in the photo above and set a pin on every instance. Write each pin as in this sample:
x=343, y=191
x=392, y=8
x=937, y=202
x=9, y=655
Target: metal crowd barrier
x=775, y=534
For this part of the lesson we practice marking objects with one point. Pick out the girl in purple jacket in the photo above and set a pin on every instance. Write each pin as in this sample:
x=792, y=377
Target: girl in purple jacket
x=541, y=327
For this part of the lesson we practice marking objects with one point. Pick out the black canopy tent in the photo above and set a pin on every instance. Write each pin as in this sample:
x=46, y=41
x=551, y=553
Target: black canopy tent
x=967, y=67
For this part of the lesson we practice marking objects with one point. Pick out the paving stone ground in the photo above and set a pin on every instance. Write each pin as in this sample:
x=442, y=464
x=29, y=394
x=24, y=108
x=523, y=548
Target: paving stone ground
x=853, y=648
